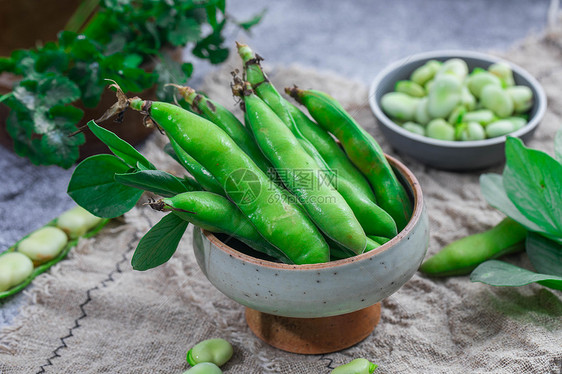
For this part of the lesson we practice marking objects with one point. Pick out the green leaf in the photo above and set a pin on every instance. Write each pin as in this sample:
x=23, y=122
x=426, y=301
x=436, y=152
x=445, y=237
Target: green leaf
x=93, y=187
x=211, y=47
x=87, y=76
x=558, y=145
x=51, y=58
x=24, y=62
x=247, y=25
x=169, y=71
x=185, y=31
x=156, y=181
x=66, y=148
x=119, y=147
x=499, y=273
x=492, y=189
x=159, y=244
x=545, y=254
x=7, y=64
x=56, y=89
x=25, y=94
x=118, y=5
x=533, y=182
x=212, y=16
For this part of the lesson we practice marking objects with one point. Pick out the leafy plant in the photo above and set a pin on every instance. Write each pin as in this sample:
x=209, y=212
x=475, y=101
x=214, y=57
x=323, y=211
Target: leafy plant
x=116, y=43
x=110, y=185
x=530, y=192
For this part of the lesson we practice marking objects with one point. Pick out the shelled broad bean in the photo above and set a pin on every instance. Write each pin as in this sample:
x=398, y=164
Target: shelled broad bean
x=443, y=100
x=44, y=247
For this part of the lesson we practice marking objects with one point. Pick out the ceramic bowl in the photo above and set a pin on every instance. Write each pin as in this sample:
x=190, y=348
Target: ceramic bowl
x=318, y=290
x=442, y=154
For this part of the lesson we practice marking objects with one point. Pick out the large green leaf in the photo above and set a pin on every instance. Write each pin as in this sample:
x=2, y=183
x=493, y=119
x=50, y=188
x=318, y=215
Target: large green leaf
x=499, y=273
x=156, y=181
x=545, y=254
x=159, y=244
x=120, y=147
x=93, y=187
x=558, y=145
x=491, y=186
x=533, y=182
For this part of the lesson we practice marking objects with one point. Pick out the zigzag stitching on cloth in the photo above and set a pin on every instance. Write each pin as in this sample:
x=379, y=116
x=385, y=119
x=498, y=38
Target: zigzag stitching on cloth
x=103, y=283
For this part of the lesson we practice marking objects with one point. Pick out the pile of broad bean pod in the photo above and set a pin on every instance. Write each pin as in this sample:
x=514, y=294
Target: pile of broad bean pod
x=280, y=183
x=44, y=247
x=442, y=100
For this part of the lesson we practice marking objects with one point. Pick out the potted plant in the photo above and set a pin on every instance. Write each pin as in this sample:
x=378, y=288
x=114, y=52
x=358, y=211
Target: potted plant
x=130, y=42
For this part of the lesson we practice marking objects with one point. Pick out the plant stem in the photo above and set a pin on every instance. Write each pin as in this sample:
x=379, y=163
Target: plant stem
x=81, y=15
x=4, y=97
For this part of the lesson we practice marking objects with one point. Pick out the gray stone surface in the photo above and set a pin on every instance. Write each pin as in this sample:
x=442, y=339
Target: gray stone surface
x=353, y=38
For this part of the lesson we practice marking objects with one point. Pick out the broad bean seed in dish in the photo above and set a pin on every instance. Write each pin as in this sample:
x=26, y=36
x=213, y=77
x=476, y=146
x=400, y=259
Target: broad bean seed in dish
x=477, y=105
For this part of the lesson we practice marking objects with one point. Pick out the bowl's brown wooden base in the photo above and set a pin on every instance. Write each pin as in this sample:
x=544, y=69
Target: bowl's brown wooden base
x=314, y=335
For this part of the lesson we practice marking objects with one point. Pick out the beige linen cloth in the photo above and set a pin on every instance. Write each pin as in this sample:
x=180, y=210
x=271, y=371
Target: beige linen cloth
x=93, y=314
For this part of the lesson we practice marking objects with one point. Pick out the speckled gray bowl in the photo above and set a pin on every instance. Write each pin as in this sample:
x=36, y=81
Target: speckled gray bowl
x=318, y=290
x=442, y=154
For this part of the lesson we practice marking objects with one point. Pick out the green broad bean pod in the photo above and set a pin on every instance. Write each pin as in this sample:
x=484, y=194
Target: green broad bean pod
x=360, y=197
x=204, y=368
x=14, y=269
x=217, y=214
x=379, y=239
x=356, y=366
x=464, y=255
x=497, y=100
x=362, y=149
x=216, y=351
x=338, y=252
x=330, y=151
x=227, y=121
x=205, y=179
x=399, y=105
x=280, y=222
x=36, y=252
x=325, y=205
x=44, y=244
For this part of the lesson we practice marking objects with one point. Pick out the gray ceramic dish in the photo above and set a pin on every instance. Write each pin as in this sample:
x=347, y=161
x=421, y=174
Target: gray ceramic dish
x=450, y=155
x=318, y=290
